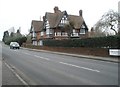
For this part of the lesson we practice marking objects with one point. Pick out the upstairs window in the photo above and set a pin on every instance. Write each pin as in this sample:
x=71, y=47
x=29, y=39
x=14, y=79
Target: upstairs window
x=83, y=26
x=63, y=21
x=47, y=25
x=41, y=33
x=34, y=34
x=82, y=31
x=49, y=31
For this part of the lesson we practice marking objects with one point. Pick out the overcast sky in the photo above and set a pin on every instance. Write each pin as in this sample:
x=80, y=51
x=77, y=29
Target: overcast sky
x=20, y=13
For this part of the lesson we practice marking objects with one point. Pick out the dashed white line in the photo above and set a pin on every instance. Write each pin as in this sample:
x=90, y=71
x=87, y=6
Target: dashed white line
x=42, y=57
x=66, y=63
x=27, y=53
x=79, y=66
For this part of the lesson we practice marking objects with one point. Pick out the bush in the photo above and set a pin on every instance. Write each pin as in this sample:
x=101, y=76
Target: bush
x=99, y=42
x=20, y=40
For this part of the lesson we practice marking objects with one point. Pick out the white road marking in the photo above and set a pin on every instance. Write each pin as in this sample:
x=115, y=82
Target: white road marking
x=79, y=67
x=66, y=63
x=41, y=57
x=18, y=76
x=27, y=53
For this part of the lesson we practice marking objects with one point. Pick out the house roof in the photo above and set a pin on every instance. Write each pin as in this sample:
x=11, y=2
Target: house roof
x=76, y=20
x=54, y=18
x=37, y=25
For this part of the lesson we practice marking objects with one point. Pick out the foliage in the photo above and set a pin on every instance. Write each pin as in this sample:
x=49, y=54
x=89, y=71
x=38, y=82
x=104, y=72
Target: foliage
x=14, y=37
x=5, y=36
x=20, y=40
x=97, y=42
x=108, y=22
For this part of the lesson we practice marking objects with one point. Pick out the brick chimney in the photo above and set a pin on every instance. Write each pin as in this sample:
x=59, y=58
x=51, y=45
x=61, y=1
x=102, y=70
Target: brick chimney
x=80, y=13
x=56, y=9
x=43, y=18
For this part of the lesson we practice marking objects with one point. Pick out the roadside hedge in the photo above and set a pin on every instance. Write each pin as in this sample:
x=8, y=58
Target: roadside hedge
x=98, y=42
x=20, y=40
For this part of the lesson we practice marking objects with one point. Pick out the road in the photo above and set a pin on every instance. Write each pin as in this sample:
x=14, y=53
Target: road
x=42, y=68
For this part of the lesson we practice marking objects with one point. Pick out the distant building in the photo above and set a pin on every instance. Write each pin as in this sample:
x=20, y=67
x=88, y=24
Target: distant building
x=36, y=27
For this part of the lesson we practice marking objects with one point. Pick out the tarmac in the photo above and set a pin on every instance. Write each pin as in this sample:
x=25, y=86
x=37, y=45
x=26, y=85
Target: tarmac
x=109, y=59
x=10, y=78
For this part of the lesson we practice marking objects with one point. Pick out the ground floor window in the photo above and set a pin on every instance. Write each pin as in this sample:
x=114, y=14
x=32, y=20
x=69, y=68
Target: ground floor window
x=41, y=43
x=34, y=42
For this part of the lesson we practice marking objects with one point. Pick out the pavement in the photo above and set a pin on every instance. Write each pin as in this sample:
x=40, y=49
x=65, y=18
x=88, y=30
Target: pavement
x=9, y=77
x=109, y=59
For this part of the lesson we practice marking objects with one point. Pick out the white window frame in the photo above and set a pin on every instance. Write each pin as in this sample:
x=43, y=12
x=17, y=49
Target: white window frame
x=41, y=33
x=74, y=33
x=55, y=34
x=33, y=34
x=49, y=31
x=58, y=33
x=64, y=34
x=34, y=42
x=81, y=31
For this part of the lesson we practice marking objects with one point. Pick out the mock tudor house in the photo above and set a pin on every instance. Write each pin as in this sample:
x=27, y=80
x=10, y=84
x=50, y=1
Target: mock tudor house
x=36, y=27
x=59, y=25
x=55, y=25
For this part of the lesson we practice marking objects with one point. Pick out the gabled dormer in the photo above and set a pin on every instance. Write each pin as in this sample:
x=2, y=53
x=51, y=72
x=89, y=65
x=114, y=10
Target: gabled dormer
x=64, y=19
x=83, y=28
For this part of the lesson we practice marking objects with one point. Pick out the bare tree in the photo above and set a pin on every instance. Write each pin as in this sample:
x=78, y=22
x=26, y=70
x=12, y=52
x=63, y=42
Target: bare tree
x=108, y=22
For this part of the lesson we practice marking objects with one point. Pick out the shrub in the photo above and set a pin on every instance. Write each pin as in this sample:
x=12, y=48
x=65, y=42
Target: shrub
x=20, y=40
x=98, y=42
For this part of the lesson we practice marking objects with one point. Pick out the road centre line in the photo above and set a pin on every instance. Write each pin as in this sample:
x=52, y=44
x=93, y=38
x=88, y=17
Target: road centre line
x=41, y=57
x=27, y=53
x=79, y=67
x=66, y=63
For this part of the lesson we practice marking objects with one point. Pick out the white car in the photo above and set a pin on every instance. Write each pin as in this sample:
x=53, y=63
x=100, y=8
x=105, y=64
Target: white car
x=14, y=45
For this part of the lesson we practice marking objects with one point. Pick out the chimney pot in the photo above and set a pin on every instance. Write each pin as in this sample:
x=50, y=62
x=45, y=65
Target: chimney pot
x=80, y=12
x=56, y=9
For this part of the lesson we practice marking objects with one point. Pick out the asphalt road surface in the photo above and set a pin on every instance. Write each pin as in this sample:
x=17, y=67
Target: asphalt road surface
x=42, y=68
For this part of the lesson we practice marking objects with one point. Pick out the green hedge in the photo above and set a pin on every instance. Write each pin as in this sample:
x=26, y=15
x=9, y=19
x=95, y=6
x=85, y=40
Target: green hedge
x=20, y=40
x=99, y=42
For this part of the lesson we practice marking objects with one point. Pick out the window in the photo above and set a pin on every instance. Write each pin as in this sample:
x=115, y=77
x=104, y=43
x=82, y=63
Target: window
x=34, y=34
x=47, y=25
x=63, y=21
x=32, y=28
x=49, y=31
x=55, y=34
x=73, y=30
x=64, y=34
x=58, y=33
x=75, y=33
x=34, y=42
x=82, y=31
x=41, y=33
x=83, y=26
